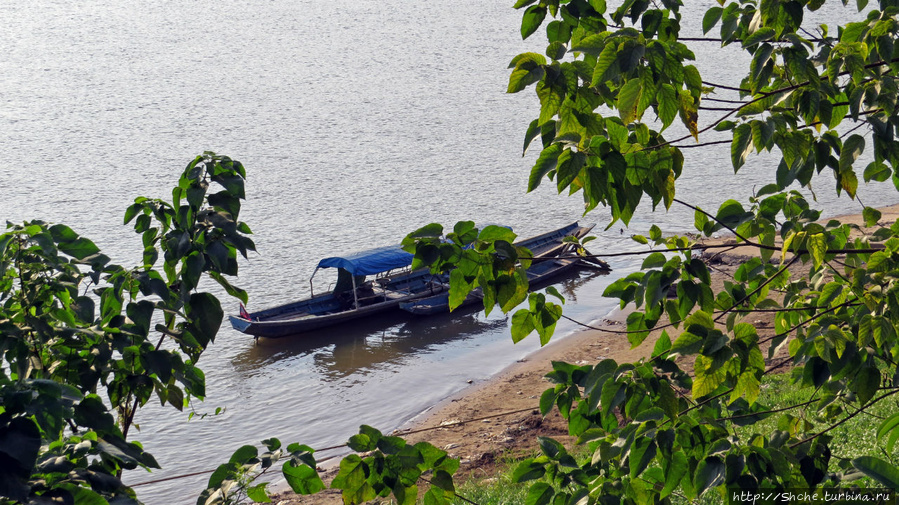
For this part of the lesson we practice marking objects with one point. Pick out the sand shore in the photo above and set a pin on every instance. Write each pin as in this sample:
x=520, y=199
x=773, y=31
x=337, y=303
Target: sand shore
x=498, y=419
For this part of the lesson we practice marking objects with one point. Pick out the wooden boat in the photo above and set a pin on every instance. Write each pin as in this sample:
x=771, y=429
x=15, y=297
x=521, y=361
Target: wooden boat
x=353, y=297
x=552, y=257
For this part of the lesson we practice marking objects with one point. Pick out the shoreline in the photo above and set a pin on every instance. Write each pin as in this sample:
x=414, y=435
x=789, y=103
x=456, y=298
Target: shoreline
x=615, y=318
x=497, y=419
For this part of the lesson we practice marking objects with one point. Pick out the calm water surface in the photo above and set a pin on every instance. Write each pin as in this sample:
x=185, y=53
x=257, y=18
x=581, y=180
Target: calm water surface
x=358, y=122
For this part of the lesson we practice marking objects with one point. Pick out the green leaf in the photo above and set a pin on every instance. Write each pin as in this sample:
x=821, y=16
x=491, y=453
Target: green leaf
x=443, y=480
x=741, y=145
x=613, y=393
x=725, y=125
x=689, y=113
x=528, y=69
x=662, y=345
x=879, y=470
x=852, y=149
x=79, y=248
x=709, y=473
x=710, y=18
x=257, y=493
x=675, y=469
x=866, y=383
x=129, y=453
x=530, y=135
x=849, y=182
x=551, y=95
x=206, y=315
x=629, y=100
x=511, y=290
x=871, y=216
x=668, y=104
x=547, y=161
x=700, y=220
x=244, y=454
x=642, y=453
x=558, y=31
x=232, y=290
x=889, y=424
x=551, y=290
x=547, y=400
x=654, y=260
x=708, y=378
x=762, y=135
x=761, y=35
x=540, y=493
x=494, y=233
x=132, y=211
x=159, y=363
x=360, y=443
x=62, y=233
x=528, y=470
x=459, y=289
x=302, y=479
x=877, y=171
x=84, y=496
x=531, y=20
x=20, y=441
x=606, y=67
x=556, y=50
x=747, y=387
x=598, y=5
x=817, y=246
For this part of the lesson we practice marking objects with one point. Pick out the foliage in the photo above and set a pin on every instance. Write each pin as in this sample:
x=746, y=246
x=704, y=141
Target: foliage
x=487, y=261
x=381, y=466
x=233, y=481
x=656, y=428
x=86, y=342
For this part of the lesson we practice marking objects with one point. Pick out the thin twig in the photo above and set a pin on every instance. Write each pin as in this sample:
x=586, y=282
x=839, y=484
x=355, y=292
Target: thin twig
x=845, y=419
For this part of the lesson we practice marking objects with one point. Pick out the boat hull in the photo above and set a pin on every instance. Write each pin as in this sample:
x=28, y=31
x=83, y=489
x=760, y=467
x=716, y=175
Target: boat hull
x=330, y=309
x=294, y=326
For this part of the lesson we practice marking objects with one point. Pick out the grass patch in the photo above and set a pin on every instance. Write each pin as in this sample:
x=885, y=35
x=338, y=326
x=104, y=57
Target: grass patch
x=496, y=489
x=855, y=437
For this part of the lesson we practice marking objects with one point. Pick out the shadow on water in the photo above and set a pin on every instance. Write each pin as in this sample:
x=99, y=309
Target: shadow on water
x=360, y=346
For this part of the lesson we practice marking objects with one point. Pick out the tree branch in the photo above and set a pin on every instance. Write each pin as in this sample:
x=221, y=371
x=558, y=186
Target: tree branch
x=770, y=279
x=845, y=419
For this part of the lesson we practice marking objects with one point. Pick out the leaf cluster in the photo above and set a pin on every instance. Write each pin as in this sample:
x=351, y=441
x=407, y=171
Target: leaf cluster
x=381, y=466
x=488, y=265
x=591, y=66
x=235, y=481
x=86, y=342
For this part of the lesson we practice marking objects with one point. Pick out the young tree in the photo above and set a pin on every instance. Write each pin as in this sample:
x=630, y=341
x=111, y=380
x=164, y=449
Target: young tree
x=86, y=343
x=813, y=96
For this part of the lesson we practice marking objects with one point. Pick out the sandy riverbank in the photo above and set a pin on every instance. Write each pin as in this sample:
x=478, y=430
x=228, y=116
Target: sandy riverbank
x=498, y=419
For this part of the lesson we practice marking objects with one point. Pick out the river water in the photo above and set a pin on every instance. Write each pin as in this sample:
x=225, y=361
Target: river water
x=358, y=122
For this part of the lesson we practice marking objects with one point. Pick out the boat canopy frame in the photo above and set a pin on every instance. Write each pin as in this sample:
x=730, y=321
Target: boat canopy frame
x=370, y=262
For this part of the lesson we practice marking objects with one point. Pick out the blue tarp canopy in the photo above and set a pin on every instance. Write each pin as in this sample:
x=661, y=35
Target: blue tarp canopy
x=373, y=261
